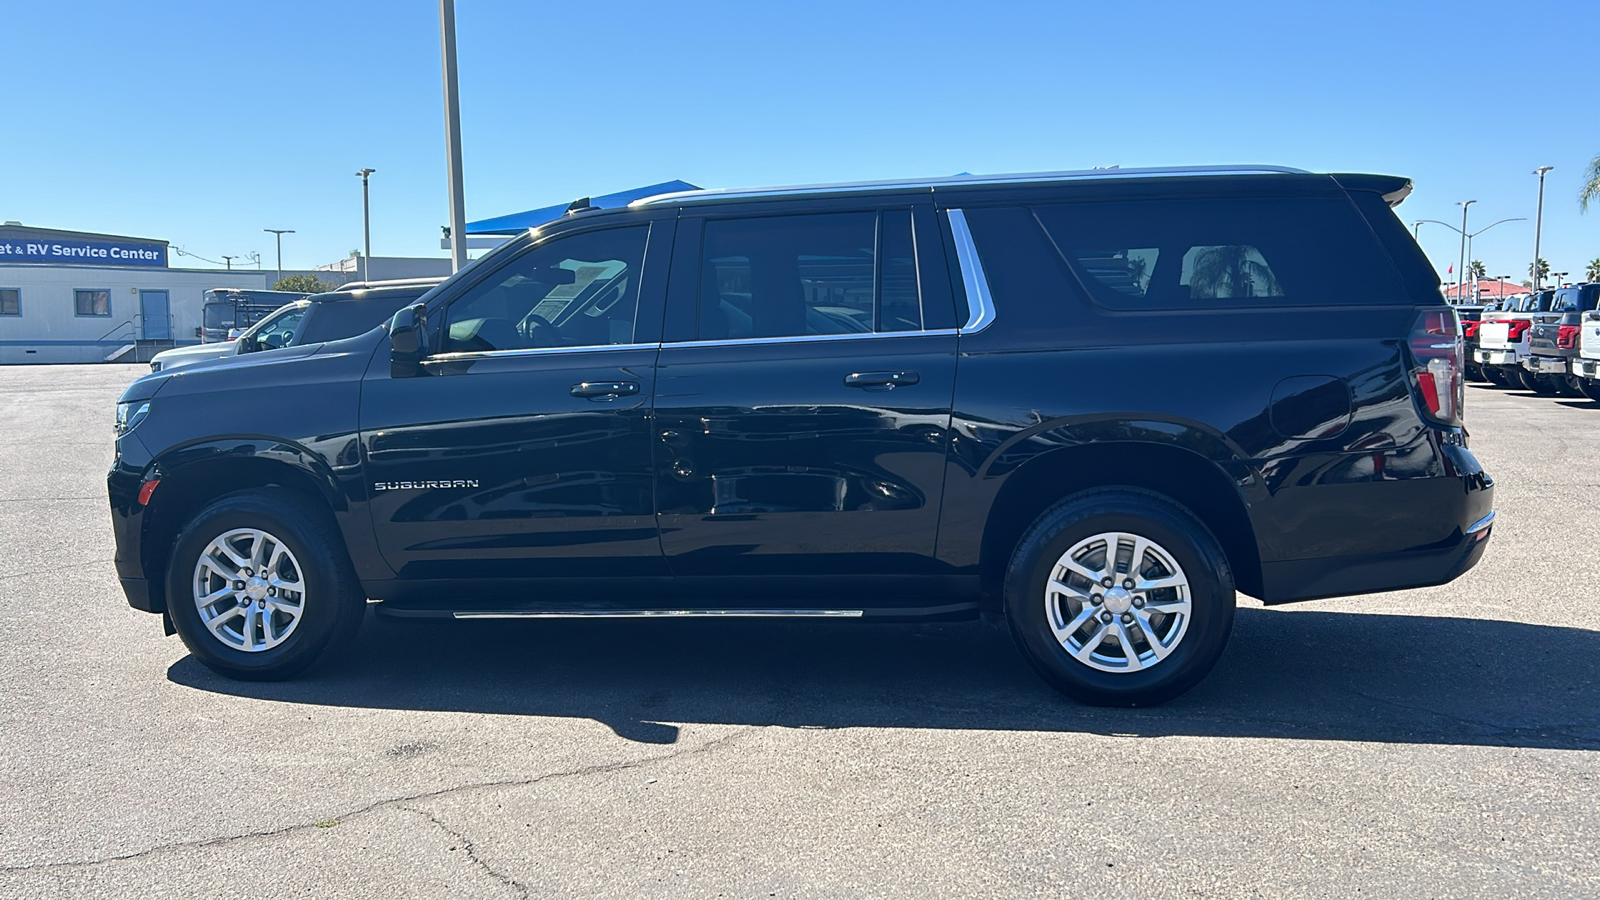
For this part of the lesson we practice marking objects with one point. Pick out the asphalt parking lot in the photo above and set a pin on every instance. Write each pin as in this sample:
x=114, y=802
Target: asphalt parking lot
x=1440, y=742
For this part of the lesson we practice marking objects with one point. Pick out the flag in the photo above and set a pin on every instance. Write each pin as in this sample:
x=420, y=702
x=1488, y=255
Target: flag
x=1451, y=269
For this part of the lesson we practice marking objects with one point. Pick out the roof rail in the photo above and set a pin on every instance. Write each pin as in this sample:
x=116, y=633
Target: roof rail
x=702, y=196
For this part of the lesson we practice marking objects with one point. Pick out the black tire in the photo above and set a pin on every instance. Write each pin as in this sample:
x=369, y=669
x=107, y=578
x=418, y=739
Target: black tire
x=1569, y=385
x=1475, y=373
x=1536, y=383
x=1589, y=388
x=1147, y=515
x=334, y=602
x=1495, y=375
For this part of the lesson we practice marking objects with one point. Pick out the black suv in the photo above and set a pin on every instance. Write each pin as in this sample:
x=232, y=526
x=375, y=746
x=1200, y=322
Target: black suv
x=1093, y=405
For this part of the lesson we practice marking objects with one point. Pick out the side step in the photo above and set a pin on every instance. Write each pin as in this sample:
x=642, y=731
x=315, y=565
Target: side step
x=665, y=614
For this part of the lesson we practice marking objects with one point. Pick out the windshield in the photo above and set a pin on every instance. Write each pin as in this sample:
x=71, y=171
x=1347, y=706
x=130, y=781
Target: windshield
x=218, y=314
x=276, y=330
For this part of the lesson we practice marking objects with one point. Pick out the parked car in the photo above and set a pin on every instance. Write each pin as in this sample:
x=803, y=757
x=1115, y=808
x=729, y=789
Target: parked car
x=1503, y=342
x=1553, y=341
x=1587, y=363
x=886, y=401
x=318, y=318
x=225, y=313
x=1470, y=318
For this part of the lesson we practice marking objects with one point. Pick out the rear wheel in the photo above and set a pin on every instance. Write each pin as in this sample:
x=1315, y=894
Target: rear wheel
x=259, y=586
x=1536, y=383
x=1496, y=376
x=1589, y=388
x=1120, y=598
x=1569, y=385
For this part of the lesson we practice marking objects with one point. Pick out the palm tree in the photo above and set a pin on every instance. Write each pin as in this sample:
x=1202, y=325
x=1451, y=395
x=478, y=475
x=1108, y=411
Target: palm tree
x=1232, y=270
x=1544, y=269
x=1590, y=189
x=1477, y=269
x=1593, y=272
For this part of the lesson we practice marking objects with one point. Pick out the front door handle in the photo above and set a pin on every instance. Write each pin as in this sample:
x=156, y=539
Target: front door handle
x=880, y=381
x=604, y=390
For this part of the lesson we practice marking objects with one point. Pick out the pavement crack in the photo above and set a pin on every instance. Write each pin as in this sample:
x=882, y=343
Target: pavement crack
x=391, y=802
x=471, y=850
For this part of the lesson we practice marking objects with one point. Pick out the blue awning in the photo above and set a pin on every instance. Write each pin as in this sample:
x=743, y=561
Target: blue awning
x=522, y=221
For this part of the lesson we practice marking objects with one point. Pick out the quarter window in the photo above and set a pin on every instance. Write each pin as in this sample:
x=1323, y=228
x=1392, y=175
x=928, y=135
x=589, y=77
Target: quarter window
x=91, y=303
x=576, y=291
x=10, y=302
x=797, y=276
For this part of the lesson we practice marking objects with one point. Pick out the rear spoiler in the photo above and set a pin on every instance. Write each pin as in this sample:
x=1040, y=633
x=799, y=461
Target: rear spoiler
x=1392, y=188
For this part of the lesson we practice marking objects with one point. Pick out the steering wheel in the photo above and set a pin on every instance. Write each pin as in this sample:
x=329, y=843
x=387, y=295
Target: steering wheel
x=538, y=330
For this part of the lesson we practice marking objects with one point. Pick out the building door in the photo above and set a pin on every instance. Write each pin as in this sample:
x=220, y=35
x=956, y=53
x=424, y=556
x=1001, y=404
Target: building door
x=156, y=323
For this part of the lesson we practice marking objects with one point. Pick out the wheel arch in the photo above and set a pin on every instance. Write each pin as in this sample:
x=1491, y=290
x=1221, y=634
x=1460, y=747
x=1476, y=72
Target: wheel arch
x=193, y=477
x=1197, y=483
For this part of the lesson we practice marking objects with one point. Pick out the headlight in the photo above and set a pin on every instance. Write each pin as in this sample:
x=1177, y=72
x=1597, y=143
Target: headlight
x=129, y=415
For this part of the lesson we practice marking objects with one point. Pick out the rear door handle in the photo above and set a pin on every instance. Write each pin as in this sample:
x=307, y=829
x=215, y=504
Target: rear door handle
x=880, y=381
x=604, y=390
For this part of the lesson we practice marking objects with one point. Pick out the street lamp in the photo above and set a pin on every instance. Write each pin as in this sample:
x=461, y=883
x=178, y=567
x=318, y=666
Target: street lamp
x=279, y=232
x=366, y=222
x=228, y=261
x=1538, y=224
x=452, y=135
x=1467, y=237
x=1462, y=269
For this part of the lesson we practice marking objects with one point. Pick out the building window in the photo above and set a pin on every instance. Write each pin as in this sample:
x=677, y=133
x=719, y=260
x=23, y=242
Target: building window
x=92, y=303
x=10, y=302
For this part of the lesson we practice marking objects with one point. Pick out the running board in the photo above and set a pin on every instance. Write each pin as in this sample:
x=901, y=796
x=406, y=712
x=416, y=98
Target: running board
x=665, y=613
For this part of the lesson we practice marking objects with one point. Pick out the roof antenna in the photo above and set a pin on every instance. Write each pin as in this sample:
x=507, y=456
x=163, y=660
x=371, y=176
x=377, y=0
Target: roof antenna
x=579, y=205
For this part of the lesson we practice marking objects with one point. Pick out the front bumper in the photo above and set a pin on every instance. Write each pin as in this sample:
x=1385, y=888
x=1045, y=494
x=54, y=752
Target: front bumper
x=1497, y=357
x=127, y=475
x=1546, y=365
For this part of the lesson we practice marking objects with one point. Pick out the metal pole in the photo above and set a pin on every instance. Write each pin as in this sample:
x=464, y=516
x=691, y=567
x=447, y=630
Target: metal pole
x=366, y=224
x=1461, y=266
x=452, y=135
x=279, y=232
x=1538, y=225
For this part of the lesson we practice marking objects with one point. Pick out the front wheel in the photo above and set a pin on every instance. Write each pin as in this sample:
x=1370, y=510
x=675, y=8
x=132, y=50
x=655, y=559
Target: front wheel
x=259, y=585
x=1120, y=598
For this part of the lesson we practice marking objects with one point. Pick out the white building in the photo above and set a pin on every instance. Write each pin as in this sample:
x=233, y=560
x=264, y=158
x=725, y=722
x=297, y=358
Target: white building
x=75, y=297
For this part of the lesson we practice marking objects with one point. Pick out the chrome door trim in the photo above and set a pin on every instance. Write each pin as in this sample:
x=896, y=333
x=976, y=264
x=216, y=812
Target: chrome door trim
x=533, y=351
x=808, y=338
x=980, y=304
x=665, y=613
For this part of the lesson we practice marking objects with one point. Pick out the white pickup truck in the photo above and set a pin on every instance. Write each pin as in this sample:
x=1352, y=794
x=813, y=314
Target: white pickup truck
x=1503, y=343
x=1586, y=366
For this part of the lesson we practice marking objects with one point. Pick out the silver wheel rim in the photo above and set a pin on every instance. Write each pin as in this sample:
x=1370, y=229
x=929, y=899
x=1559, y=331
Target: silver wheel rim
x=1118, y=602
x=249, y=590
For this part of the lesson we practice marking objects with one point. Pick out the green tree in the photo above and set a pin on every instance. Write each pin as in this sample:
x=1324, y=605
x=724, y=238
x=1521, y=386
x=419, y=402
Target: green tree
x=1477, y=269
x=1590, y=189
x=1544, y=269
x=1232, y=270
x=1593, y=272
x=304, y=284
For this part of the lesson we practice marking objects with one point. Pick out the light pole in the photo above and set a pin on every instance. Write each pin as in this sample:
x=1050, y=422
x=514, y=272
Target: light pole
x=452, y=135
x=1416, y=231
x=366, y=223
x=1538, y=224
x=279, y=232
x=1466, y=238
x=1461, y=269
x=228, y=261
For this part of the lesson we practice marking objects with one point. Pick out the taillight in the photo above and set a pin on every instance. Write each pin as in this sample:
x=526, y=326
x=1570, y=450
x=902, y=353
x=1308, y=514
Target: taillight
x=1517, y=328
x=1436, y=373
x=1567, y=336
x=1470, y=329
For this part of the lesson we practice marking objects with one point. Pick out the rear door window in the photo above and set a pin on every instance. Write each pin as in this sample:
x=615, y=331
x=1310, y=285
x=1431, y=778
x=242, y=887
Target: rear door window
x=805, y=275
x=1152, y=254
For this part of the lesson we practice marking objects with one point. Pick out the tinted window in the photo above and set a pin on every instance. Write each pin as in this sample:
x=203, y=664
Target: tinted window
x=1223, y=252
x=792, y=276
x=336, y=320
x=10, y=302
x=576, y=291
x=277, y=330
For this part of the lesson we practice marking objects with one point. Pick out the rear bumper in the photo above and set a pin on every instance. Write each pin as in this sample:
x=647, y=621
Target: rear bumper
x=1314, y=579
x=1545, y=365
x=1586, y=368
x=1497, y=357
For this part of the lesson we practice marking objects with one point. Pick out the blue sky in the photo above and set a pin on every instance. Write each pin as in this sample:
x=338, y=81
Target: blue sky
x=203, y=123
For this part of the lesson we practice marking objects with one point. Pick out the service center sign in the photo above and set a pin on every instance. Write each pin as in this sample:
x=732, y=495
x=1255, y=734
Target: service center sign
x=83, y=253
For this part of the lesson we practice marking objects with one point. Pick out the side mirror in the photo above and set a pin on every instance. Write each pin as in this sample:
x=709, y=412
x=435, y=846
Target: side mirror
x=408, y=341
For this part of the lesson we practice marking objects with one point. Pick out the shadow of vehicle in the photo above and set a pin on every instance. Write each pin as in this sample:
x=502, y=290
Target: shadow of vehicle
x=1300, y=674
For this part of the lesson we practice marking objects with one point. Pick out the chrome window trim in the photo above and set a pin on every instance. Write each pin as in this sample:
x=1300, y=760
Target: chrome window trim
x=809, y=338
x=714, y=194
x=980, y=304
x=532, y=351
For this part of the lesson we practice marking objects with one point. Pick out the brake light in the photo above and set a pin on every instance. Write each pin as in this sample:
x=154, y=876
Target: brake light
x=1517, y=328
x=1470, y=329
x=1437, y=364
x=1567, y=336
